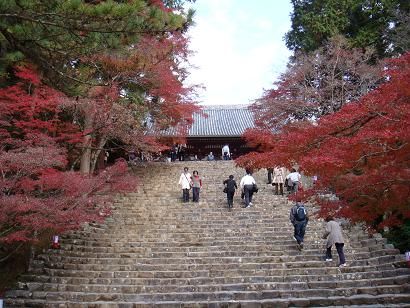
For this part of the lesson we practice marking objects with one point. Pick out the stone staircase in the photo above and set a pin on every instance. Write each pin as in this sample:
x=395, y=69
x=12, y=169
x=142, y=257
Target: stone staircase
x=157, y=251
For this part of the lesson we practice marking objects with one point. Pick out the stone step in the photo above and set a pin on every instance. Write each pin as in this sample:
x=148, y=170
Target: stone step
x=369, y=276
x=247, y=238
x=133, y=259
x=242, y=295
x=227, y=234
x=239, y=265
x=117, y=235
x=133, y=272
x=231, y=231
x=213, y=218
x=390, y=300
x=195, y=246
x=195, y=241
x=179, y=288
x=194, y=252
x=250, y=239
x=278, y=261
x=163, y=240
x=72, y=256
x=262, y=251
x=185, y=226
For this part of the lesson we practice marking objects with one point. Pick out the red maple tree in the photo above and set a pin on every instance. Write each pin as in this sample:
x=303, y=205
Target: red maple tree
x=360, y=153
x=37, y=192
x=112, y=112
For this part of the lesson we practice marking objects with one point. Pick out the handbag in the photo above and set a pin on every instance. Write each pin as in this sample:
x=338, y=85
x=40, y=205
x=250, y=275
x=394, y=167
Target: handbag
x=225, y=190
x=255, y=188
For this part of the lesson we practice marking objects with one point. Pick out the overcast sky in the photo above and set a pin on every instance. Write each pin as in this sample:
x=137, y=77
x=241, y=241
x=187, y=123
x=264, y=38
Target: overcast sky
x=239, y=48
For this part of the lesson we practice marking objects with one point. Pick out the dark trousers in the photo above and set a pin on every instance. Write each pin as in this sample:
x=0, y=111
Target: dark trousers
x=299, y=230
x=229, y=196
x=278, y=186
x=295, y=187
x=248, y=190
x=195, y=194
x=270, y=172
x=339, y=248
x=185, y=195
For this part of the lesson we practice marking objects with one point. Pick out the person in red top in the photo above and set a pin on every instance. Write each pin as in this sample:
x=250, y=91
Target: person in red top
x=196, y=186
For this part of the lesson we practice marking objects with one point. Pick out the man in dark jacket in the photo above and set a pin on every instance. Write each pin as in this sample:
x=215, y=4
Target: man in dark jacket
x=299, y=218
x=230, y=187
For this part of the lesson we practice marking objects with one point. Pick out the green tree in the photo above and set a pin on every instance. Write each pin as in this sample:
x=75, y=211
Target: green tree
x=59, y=36
x=363, y=22
x=400, y=32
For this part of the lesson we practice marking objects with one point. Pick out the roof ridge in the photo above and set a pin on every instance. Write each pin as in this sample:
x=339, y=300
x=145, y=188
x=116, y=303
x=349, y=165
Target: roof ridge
x=219, y=107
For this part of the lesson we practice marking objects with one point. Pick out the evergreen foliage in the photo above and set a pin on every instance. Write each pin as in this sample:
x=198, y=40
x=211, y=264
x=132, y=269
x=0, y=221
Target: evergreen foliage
x=364, y=23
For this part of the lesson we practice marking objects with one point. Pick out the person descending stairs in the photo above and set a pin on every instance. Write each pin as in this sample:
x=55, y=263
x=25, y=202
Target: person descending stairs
x=157, y=251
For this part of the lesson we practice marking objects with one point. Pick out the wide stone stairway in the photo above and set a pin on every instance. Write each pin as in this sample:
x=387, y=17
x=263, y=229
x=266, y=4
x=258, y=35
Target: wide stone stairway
x=156, y=251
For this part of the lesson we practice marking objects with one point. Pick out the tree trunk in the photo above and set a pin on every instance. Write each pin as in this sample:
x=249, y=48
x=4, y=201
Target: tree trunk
x=85, y=163
x=97, y=153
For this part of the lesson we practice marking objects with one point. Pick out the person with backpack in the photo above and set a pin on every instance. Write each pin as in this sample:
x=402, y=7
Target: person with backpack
x=299, y=218
x=334, y=236
x=230, y=187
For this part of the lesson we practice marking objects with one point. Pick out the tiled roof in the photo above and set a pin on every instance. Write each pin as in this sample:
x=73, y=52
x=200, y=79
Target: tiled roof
x=219, y=121
x=226, y=120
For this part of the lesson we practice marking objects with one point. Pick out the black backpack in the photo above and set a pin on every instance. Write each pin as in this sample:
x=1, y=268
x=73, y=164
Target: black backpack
x=300, y=214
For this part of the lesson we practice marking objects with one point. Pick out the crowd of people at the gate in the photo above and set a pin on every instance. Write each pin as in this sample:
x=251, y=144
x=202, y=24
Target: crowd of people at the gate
x=298, y=214
x=179, y=152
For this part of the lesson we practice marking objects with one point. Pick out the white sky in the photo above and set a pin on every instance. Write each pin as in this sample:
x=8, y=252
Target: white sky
x=239, y=48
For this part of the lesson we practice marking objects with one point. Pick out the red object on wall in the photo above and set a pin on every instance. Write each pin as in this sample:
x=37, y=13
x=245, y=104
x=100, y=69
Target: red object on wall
x=56, y=242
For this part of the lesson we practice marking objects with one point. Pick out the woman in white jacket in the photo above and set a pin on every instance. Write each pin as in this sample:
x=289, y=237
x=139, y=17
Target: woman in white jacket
x=278, y=180
x=185, y=182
